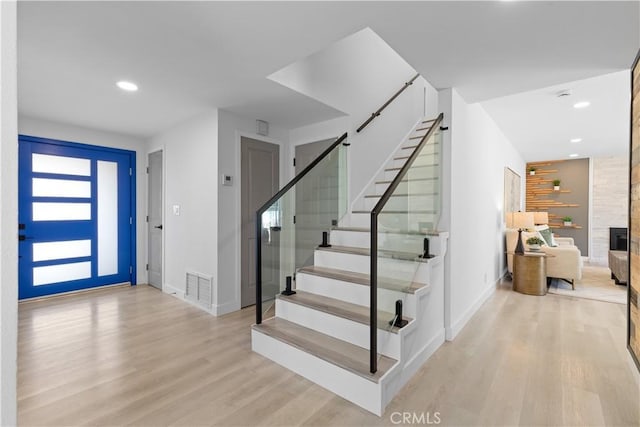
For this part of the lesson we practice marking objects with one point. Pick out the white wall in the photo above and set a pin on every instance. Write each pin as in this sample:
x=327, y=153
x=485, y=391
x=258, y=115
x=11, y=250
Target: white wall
x=479, y=152
x=8, y=213
x=609, y=203
x=64, y=132
x=190, y=176
x=357, y=75
x=320, y=131
x=231, y=128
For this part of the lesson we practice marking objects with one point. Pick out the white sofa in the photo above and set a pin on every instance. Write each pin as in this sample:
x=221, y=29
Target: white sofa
x=565, y=262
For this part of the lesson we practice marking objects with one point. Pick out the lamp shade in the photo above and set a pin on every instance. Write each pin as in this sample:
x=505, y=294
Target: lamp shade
x=509, y=219
x=540, y=218
x=523, y=220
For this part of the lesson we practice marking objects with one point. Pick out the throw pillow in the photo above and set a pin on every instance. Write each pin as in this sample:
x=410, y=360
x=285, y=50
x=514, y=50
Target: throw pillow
x=547, y=235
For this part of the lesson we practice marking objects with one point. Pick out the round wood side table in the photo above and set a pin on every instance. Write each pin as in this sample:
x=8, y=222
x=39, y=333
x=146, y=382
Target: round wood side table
x=530, y=273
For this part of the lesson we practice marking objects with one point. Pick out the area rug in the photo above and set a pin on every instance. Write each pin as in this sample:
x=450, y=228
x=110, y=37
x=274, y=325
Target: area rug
x=596, y=284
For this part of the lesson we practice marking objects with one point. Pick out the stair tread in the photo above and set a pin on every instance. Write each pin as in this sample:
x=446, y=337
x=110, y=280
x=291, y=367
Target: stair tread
x=421, y=155
x=414, y=167
x=362, y=279
x=369, y=196
x=337, y=352
x=346, y=310
x=409, y=180
x=389, y=211
x=411, y=147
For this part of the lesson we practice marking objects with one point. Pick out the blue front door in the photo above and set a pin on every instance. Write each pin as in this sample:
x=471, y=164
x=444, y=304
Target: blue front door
x=76, y=215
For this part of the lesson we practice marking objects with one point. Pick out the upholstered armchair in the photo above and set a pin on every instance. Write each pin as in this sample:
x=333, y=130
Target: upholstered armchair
x=564, y=262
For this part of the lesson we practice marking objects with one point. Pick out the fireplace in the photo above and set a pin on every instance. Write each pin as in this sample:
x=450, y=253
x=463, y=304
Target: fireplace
x=618, y=239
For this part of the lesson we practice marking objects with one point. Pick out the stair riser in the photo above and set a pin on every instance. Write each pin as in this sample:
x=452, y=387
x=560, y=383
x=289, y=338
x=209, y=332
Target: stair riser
x=355, y=294
x=403, y=203
x=403, y=270
x=414, y=187
x=423, y=159
x=346, y=384
x=356, y=239
x=414, y=173
x=338, y=327
x=391, y=241
x=396, y=221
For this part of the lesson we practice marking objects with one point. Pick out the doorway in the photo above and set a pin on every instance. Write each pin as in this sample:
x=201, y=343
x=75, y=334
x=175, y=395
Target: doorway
x=76, y=214
x=154, y=219
x=260, y=172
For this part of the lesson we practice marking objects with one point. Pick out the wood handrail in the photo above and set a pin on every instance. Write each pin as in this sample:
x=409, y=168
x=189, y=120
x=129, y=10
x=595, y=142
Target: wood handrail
x=386, y=104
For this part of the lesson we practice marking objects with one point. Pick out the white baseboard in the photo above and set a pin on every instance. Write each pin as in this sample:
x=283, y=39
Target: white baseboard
x=416, y=362
x=453, y=330
x=634, y=369
x=168, y=289
x=227, y=307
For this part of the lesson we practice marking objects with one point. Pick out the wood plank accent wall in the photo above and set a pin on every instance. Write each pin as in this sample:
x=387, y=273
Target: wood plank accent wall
x=633, y=339
x=572, y=199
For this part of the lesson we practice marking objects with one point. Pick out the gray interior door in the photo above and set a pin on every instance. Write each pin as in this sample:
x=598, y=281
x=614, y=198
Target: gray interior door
x=154, y=224
x=260, y=173
x=317, y=200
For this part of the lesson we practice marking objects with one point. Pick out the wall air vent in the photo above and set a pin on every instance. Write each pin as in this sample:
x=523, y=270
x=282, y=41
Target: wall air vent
x=262, y=127
x=199, y=289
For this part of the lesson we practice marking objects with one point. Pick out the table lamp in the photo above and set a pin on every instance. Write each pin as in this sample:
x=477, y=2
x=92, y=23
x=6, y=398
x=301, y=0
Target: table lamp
x=541, y=218
x=522, y=221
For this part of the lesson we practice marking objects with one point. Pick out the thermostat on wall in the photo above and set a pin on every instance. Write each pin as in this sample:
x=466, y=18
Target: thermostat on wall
x=227, y=180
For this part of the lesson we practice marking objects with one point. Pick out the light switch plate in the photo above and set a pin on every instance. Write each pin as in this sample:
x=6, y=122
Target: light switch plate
x=176, y=210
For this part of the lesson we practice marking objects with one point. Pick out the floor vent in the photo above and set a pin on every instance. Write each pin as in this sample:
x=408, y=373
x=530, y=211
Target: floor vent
x=199, y=289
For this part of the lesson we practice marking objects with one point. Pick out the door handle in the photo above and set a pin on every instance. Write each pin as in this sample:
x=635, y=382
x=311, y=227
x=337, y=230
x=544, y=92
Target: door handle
x=158, y=226
x=22, y=238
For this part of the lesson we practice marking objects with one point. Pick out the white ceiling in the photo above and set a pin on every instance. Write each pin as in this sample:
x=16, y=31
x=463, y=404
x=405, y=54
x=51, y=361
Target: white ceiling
x=187, y=57
x=540, y=124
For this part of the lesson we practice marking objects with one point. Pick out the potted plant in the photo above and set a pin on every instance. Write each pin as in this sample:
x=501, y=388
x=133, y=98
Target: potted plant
x=556, y=185
x=567, y=221
x=532, y=170
x=534, y=243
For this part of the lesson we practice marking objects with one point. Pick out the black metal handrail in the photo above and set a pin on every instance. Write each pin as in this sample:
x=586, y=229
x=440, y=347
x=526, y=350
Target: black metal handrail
x=373, y=308
x=386, y=104
x=266, y=206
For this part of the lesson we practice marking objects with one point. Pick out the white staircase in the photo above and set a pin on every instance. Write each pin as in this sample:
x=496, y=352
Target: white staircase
x=322, y=331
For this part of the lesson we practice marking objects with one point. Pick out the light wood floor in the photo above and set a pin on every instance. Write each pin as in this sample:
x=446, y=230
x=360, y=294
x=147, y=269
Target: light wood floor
x=135, y=356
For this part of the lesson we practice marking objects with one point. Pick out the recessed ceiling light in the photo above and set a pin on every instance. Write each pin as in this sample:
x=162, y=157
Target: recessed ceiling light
x=576, y=140
x=128, y=86
x=582, y=104
x=573, y=155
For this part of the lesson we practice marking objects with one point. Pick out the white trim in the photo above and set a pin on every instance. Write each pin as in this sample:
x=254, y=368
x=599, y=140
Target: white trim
x=164, y=219
x=77, y=291
x=453, y=330
x=178, y=293
x=227, y=307
x=590, y=210
x=635, y=374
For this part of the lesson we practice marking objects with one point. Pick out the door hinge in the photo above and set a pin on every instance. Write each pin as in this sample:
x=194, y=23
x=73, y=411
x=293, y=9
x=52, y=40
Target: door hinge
x=147, y=218
x=130, y=220
x=294, y=161
x=147, y=169
x=294, y=219
x=130, y=171
x=147, y=267
x=130, y=269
